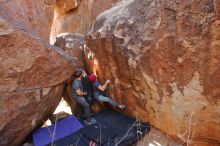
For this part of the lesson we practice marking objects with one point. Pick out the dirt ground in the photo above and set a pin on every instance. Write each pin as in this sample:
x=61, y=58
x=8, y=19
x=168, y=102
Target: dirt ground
x=158, y=138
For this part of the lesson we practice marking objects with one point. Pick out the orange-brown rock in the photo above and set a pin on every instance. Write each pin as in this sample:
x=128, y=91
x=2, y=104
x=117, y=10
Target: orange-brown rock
x=77, y=15
x=65, y=6
x=32, y=72
x=163, y=60
x=72, y=44
x=48, y=7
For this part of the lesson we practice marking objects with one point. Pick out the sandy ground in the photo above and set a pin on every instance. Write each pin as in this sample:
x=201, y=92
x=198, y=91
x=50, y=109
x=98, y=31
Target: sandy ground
x=157, y=138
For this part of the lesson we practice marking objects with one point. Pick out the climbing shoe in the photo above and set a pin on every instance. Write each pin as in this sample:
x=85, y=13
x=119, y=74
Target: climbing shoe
x=122, y=106
x=93, y=121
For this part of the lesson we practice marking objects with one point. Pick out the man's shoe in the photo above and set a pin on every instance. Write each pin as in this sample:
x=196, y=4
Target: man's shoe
x=122, y=106
x=93, y=121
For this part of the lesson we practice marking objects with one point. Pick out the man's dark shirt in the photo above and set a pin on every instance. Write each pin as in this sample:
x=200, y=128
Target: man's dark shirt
x=76, y=85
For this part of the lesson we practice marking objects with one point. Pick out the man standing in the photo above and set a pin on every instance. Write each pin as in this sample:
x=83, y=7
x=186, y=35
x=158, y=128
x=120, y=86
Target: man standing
x=78, y=94
x=97, y=88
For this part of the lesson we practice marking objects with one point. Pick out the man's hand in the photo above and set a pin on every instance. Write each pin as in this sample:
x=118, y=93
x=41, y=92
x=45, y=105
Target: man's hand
x=84, y=74
x=103, y=87
x=80, y=93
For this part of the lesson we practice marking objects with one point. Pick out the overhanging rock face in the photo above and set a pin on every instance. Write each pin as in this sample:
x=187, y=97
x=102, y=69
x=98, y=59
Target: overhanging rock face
x=32, y=72
x=163, y=60
x=73, y=45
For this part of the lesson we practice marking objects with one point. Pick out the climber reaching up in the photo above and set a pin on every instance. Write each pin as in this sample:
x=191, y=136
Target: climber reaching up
x=98, y=88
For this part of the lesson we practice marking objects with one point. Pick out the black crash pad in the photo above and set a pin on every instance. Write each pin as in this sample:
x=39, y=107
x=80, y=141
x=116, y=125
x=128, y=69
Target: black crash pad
x=116, y=129
x=99, y=133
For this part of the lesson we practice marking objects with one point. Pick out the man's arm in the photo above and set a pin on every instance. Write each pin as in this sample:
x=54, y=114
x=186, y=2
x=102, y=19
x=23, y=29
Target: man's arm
x=80, y=93
x=103, y=87
x=76, y=87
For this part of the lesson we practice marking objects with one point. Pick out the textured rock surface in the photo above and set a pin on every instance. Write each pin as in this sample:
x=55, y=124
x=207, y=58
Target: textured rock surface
x=32, y=72
x=48, y=7
x=72, y=44
x=164, y=62
x=65, y=6
x=77, y=15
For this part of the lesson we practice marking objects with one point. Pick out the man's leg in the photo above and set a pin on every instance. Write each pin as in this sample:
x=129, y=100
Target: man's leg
x=102, y=98
x=85, y=105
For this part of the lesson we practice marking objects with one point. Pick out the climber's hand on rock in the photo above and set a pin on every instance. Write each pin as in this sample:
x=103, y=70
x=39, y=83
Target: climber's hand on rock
x=108, y=81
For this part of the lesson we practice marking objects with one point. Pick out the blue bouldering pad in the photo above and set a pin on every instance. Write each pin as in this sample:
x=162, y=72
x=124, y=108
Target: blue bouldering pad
x=61, y=129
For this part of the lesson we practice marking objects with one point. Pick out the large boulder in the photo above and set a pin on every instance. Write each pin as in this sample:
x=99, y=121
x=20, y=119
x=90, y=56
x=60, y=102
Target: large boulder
x=163, y=60
x=73, y=45
x=77, y=15
x=32, y=72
